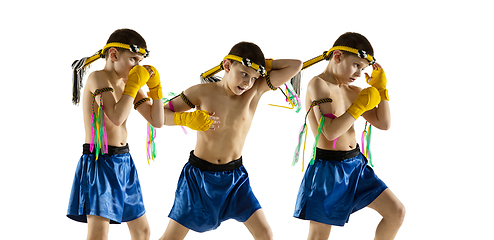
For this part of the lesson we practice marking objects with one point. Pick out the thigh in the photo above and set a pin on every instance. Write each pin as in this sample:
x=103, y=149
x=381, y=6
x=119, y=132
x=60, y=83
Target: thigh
x=174, y=231
x=387, y=204
x=258, y=225
x=97, y=227
x=318, y=231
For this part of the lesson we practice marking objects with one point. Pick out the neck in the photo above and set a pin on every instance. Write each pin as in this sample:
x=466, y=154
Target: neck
x=113, y=77
x=224, y=85
x=329, y=75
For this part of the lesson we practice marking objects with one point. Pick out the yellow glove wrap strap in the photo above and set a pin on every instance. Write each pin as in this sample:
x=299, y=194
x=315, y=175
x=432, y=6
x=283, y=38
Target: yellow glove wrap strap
x=378, y=80
x=154, y=84
x=138, y=76
x=197, y=120
x=367, y=99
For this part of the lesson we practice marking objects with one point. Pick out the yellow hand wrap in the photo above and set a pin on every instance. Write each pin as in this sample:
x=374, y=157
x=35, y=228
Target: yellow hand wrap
x=154, y=84
x=378, y=80
x=269, y=64
x=138, y=76
x=367, y=99
x=197, y=120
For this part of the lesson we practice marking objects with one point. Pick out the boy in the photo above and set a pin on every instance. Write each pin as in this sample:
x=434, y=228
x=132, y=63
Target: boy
x=214, y=185
x=339, y=182
x=106, y=187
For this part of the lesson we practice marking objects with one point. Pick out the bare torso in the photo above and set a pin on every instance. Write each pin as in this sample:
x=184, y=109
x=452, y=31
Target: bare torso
x=225, y=144
x=342, y=97
x=116, y=135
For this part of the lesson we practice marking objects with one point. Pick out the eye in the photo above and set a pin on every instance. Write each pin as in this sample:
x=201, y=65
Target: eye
x=244, y=74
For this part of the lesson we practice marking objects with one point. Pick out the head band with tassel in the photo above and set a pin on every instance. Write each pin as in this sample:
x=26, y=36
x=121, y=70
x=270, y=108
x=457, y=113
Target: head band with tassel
x=79, y=66
x=209, y=75
x=325, y=55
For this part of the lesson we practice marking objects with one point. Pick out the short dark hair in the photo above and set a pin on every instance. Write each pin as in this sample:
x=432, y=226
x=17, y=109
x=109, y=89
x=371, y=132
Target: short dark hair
x=126, y=36
x=249, y=50
x=354, y=40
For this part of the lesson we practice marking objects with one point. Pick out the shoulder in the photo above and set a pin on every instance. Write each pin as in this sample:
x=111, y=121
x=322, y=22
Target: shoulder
x=317, y=85
x=97, y=80
x=200, y=91
x=354, y=88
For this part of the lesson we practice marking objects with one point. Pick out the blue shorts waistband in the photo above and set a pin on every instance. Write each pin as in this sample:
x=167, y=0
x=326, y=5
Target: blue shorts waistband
x=336, y=155
x=86, y=149
x=207, y=166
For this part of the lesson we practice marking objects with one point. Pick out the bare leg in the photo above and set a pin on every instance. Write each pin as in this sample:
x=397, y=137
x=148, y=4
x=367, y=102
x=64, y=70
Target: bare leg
x=393, y=213
x=139, y=228
x=318, y=231
x=174, y=231
x=97, y=227
x=258, y=226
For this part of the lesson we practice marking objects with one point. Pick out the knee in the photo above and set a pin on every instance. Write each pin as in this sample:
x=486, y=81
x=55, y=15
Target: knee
x=143, y=233
x=266, y=234
x=399, y=213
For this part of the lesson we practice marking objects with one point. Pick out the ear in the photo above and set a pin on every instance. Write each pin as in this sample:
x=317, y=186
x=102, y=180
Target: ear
x=227, y=64
x=113, y=54
x=337, y=56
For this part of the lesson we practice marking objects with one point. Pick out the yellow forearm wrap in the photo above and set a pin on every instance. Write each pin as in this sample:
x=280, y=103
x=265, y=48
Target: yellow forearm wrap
x=197, y=120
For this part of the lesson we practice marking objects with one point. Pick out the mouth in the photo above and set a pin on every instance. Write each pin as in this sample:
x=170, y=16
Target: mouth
x=241, y=89
x=352, y=79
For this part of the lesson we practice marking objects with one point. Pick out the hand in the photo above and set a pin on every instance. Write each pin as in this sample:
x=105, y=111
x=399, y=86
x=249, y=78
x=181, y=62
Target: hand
x=378, y=80
x=367, y=99
x=154, y=83
x=216, y=121
x=200, y=120
x=138, y=76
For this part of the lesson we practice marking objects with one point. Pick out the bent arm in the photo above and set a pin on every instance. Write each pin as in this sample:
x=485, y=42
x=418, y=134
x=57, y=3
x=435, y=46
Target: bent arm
x=179, y=105
x=116, y=111
x=379, y=117
x=333, y=127
x=152, y=112
x=282, y=71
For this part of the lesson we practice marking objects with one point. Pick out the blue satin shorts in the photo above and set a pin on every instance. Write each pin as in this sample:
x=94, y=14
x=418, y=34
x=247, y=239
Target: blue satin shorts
x=108, y=187
x=208, y=194
x=337, y=185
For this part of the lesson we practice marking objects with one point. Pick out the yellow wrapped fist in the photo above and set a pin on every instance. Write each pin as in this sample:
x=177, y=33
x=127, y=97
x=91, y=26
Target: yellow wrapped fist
x=367, y=99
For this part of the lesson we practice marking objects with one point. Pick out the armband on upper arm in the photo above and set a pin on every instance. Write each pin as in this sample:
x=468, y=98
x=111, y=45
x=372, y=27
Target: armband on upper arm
x=186, y=100
x=141, y=102
x=268, y=81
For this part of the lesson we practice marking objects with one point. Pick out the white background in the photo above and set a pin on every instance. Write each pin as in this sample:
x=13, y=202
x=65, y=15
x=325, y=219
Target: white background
x=436, y=156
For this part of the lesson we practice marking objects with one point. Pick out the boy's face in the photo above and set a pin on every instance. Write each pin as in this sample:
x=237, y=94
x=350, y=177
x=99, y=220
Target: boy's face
x=350, y=67
x=124, y=61
x=241, y=78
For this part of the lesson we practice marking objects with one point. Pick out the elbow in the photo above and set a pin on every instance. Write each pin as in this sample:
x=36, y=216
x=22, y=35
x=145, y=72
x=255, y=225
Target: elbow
x=117, y=122
x=330, y=136
x=298, y=64
x=157, y=124
x=384, y=126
